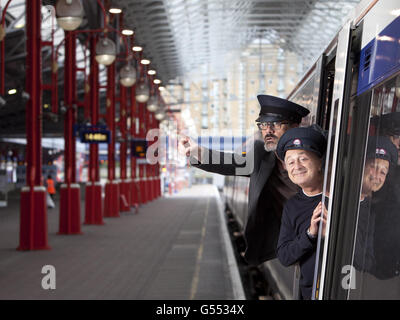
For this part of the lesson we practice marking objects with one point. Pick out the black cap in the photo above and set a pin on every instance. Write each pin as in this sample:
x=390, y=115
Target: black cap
x=278, y=109
x=304, y=138
x=381, y=147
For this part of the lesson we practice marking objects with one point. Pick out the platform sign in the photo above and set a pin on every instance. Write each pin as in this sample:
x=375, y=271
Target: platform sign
x=139, y=148
x=95, y=136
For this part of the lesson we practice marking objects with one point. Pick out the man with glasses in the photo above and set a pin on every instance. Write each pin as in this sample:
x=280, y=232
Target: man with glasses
x=270, y=185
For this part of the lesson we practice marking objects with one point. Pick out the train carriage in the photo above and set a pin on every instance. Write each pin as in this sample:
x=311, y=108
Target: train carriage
x=352, y=92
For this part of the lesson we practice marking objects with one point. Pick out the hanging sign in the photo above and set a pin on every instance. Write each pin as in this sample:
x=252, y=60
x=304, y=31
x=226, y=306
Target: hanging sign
x=95, y=135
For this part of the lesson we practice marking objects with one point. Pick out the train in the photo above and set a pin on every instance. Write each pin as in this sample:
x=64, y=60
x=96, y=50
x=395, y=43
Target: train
x=352, y=92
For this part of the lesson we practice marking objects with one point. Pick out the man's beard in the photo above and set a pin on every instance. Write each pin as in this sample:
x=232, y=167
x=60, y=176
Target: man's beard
x=270, y=146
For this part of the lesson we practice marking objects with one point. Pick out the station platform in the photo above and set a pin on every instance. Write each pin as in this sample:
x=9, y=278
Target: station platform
x=176, y=247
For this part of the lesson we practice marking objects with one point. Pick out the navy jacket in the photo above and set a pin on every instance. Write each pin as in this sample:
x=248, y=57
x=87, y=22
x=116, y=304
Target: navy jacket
x=294, y=245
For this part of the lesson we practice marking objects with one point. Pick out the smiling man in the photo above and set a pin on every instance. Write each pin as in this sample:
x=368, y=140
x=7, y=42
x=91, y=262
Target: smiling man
x=302, y=150
x=380, y=157
x=270, y=186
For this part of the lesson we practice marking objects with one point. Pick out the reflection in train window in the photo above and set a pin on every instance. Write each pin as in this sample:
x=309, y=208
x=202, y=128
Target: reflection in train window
x=376, y=252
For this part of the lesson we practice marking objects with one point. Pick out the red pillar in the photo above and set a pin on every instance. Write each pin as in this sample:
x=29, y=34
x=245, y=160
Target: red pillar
x=147, y=170
x=70, y=209
x=142, y=135
x=111, y=200
x=151, y=196
x=93, y=203
x=157, y=185
x=135, y=181
x=124, y=203
x=33, y=222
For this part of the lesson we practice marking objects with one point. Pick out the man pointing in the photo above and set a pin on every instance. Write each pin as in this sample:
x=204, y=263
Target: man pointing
x=270, y=186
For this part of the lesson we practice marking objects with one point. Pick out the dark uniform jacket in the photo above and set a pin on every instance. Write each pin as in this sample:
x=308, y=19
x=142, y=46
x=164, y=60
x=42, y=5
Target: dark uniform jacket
x=294, y=245
x=262, y=228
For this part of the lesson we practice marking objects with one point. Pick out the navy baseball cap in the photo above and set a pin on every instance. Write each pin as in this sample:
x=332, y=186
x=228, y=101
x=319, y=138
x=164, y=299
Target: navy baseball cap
x=304, y=138
x=278, y=109
x=381, y=147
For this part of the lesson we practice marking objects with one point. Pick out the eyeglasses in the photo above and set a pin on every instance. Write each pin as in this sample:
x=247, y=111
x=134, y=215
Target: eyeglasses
x=272, y=124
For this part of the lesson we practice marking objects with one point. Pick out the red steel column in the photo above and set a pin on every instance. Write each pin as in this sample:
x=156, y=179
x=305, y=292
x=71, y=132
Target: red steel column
x=111, y=201
x=156, y=166
x=124, y=204
x=158, y=180
x=93, y=203
x=134, y=182
x=70, y=208
x=33, y=211
x=142, y=135
x=146, y=176
x=151, y=166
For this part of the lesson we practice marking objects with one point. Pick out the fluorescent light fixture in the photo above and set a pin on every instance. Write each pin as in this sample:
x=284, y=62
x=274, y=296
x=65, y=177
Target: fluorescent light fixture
x=127, y=32
x=115, y=10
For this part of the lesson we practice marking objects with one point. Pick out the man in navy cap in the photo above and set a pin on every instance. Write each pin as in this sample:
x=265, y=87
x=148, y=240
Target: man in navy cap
x=376, y=218
x=302, y=150
x=381, y=154
x=269, y=186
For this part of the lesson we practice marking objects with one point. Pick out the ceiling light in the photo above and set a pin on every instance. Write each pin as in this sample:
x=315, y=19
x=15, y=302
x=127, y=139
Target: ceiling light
x=161, y=88
x=115, y=10
x=105, y=51
x=160, y=115
x=127, y=32
x=156, y=81
x=137, y=48
x=142, y=92
x=151, y=72
x=127, y=75
x=145, y=61
x=69, y=14
x=12, y=91
x=152, y=104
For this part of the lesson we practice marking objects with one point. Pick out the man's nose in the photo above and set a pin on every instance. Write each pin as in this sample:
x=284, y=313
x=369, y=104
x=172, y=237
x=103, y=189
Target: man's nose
x=269, y=129
x=297, y=165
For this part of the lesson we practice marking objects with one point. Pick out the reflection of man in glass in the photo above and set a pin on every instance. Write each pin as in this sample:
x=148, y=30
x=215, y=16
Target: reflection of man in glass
x=375, y=173
x=381, y=154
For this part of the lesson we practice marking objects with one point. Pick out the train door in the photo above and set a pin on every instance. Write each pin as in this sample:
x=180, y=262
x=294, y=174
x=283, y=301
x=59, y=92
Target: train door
x=334, y=117
x=359, y=254
x=315, y=93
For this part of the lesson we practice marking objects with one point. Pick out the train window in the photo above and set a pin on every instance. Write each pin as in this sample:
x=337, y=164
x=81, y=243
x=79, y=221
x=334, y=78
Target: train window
x=376, y=248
